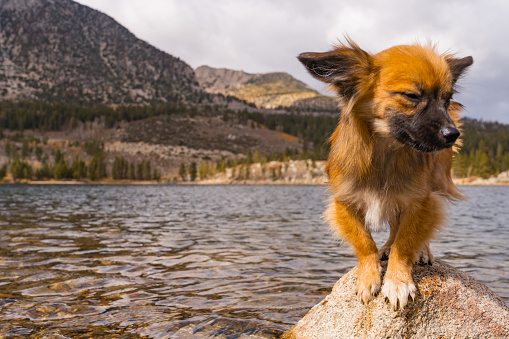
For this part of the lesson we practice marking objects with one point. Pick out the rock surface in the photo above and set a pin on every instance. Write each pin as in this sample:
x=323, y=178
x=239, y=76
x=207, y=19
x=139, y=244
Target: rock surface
x=449, y=304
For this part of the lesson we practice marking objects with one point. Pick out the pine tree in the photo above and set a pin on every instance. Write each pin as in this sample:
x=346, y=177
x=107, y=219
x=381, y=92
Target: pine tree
x=78, y=169
x=3, y=171
x=147, y=173
x=156, y=175
x=182, y=171
x=221, y=165
x=249, y=158
x=241, y=173
x=20, y=170
x=256, y=156
x=139, y=171
x=44, y=172
x=460, y=165
x=125, y=168
x=120, y=168
x=61, y=170
x=203, y=171
x=58, y=156
x=211, y=168
x=483, y=169
x=505, y=162
x=116, y=171
x=499, y=155
x=131, y=172
x=193, y=171
x=97, y=168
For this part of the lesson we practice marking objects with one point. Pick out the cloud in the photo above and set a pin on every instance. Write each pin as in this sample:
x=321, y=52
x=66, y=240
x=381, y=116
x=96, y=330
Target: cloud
x=266, y=36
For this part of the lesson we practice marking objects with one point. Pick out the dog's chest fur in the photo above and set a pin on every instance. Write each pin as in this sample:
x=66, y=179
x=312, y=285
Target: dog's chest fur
x=376, y=216
x=395, y=180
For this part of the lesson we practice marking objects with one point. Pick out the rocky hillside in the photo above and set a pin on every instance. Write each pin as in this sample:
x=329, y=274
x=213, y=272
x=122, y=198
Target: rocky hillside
x=60, y=50
x=269, y=90
x=210, y=133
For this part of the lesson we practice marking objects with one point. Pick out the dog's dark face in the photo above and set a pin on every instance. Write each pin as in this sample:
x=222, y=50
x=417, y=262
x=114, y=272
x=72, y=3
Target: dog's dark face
x=406, y=90
x=428, y=127
x=413, y=95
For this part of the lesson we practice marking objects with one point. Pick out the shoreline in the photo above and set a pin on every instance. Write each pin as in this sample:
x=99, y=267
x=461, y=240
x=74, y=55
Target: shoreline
x=458, y=182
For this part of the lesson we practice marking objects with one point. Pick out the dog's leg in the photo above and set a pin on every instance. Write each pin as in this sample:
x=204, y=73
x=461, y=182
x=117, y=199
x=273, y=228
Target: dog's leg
x=349, y=226
x=418, y=222
x=386, y=249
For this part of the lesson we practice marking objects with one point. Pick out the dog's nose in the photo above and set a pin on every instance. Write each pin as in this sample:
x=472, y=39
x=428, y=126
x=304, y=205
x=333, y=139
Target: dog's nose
x=450, y=133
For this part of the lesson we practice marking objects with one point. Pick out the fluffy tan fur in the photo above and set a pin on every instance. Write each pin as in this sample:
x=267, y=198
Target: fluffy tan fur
x=374, y=178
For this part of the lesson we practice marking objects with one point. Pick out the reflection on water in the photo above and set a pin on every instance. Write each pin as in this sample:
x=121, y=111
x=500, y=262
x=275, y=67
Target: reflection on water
x=195, y=261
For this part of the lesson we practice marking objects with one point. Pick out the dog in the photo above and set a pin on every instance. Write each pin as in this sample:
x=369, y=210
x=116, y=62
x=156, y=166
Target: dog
x=390, y=156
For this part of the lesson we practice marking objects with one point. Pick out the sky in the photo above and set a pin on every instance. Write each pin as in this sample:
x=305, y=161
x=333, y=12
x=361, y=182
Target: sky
x=259, y=36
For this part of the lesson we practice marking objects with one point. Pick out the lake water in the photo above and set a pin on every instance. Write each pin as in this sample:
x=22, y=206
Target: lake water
x=98, y=261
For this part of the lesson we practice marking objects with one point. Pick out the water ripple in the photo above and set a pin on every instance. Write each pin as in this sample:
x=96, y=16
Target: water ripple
x=196, y=261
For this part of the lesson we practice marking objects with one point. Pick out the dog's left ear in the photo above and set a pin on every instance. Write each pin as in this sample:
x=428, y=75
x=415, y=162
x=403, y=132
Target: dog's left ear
x=459, y=66
x=346, y=68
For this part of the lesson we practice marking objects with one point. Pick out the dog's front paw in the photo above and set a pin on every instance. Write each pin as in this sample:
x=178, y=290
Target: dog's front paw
x=368, y=280
x=423, y=256
x=398, y=291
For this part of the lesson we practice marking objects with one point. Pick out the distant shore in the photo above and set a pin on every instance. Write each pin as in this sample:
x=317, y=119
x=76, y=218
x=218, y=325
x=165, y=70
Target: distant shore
x=474, y=181
x=500, y=180
x=85, y=182
x=293, y=172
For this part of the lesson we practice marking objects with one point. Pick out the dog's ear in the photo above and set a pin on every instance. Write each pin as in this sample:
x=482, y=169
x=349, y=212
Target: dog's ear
x=459, y=66
x=345, y=68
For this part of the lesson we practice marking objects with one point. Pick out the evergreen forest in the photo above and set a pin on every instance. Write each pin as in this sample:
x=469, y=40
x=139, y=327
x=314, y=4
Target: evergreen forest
x=484, y=151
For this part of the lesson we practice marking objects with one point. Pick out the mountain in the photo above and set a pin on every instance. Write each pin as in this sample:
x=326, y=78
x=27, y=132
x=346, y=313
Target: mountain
x=62, y=51
x=268, y=90
x=59, y=50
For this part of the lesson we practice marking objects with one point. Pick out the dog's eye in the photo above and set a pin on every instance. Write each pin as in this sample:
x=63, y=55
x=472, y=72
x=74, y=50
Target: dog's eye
x=411, y=96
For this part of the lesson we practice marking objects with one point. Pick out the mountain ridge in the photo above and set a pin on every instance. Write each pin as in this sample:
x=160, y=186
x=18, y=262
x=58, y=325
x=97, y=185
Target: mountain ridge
x=265, y=90
x=64, y=51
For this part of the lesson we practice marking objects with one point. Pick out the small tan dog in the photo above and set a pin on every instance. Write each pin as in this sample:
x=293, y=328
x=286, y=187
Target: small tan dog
x=391, y=155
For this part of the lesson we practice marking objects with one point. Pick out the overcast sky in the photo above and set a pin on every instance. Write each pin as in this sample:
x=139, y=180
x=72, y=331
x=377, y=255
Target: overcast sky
x=266, y=35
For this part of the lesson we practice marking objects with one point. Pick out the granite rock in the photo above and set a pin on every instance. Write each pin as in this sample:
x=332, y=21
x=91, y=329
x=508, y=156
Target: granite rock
x=449, y=304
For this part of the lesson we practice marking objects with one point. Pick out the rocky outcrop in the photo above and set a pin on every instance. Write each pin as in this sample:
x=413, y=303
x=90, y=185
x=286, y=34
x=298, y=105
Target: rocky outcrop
x=500, y=179
x=450, y=304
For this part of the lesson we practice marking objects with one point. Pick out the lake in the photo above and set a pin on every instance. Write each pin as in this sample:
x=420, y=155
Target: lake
x=132, y=261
